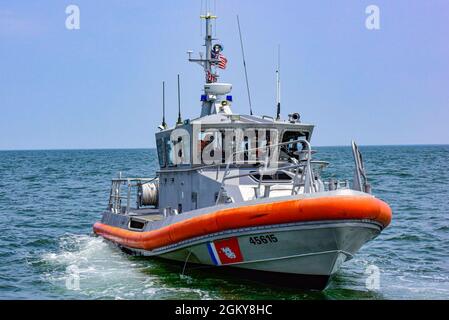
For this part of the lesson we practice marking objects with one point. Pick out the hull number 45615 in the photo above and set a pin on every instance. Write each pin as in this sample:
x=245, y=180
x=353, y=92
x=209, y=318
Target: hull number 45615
x=265, y=239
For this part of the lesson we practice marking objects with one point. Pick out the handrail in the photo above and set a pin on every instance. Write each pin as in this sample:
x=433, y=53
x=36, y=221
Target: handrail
x=309, y=185
x=115, y=197
x=263, y=173
x=229, y=162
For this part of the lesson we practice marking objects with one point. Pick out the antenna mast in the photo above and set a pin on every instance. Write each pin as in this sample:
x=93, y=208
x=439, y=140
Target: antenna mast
x=164, y=124
x=179, y=122
x=206, y=63
x=278, y=86
x=211, y=61
x=244, y=66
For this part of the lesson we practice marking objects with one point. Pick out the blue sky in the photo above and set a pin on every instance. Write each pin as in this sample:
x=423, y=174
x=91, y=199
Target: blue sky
x=100, y=86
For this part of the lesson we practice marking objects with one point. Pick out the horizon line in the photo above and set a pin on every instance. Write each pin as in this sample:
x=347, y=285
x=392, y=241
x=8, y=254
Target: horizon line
x=150, y=148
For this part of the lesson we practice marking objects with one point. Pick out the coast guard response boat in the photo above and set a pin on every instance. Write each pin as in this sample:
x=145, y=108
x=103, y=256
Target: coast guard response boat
x=242, y=193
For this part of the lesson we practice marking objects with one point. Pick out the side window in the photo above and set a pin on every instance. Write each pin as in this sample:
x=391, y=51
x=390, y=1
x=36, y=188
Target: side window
x=169, y=153
x=210, y=146
x=181, y=148
x=161, y=152
x=291, y=149
x=185, y=150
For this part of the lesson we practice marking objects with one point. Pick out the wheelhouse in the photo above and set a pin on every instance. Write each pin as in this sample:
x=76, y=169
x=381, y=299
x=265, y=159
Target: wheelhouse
x=216, y=139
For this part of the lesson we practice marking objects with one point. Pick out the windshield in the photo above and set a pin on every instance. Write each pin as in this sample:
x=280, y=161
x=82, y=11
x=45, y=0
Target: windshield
x=292, y=150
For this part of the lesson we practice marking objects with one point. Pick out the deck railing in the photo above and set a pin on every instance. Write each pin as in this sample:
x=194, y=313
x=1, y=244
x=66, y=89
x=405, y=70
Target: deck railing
x=116, y=197
x=300, y=170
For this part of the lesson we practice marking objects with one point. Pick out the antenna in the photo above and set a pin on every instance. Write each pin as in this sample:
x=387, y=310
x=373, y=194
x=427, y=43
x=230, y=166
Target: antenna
x=179, y=105
x=164, y=124
x=244, y=66
x=215, y=12
x=278, y=85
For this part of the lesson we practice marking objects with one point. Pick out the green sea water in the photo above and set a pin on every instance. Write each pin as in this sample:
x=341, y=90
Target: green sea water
x=50, y=199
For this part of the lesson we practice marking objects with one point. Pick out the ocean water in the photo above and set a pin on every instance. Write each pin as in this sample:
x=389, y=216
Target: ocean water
x=50, y=199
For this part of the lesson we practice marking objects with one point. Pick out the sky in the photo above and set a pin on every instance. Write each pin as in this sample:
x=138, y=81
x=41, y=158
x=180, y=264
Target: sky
x=100, y=86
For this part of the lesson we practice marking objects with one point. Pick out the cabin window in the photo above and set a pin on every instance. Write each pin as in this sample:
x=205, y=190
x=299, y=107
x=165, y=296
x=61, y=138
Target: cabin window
x=217, y=146
x=169, y=152
x=160, y=152
x=182, y=149
x=248, y=146
x=293, y=149
x=176, y=148
x=210, y=146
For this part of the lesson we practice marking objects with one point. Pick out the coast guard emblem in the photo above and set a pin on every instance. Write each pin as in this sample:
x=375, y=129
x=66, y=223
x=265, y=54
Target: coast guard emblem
x=225, y=251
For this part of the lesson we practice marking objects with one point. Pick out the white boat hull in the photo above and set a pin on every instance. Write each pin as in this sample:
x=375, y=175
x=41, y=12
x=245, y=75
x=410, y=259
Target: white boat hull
x=293, y=251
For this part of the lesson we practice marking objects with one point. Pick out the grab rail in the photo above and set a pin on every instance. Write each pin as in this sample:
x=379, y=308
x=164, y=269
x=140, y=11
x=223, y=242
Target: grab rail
x=302, y=178
x=115, y=197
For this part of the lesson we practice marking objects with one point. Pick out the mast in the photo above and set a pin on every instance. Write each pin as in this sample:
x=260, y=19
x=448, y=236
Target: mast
x=208, y=44
x=164, y=124
x=206, y=63
x=179, y=122
x=215, y=98
x=278, y=86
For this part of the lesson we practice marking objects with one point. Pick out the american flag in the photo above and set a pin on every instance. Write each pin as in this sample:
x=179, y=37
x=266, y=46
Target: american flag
x=222, y=61
x=211, y=77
